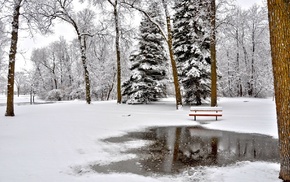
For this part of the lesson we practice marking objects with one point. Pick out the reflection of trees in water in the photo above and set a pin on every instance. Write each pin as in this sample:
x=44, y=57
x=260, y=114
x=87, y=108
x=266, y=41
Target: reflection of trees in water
x=180, y=147
x=173, y=149
x=248, y=147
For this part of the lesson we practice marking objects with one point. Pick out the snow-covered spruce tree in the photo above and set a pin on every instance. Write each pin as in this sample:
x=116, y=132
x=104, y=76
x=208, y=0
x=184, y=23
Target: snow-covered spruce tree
x=147, y=80
x=191, y=43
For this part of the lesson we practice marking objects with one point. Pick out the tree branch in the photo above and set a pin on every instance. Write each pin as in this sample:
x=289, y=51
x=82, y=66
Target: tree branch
x=131, y=5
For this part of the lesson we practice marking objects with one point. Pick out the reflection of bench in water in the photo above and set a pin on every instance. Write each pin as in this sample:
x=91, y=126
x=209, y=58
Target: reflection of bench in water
x=206, y=111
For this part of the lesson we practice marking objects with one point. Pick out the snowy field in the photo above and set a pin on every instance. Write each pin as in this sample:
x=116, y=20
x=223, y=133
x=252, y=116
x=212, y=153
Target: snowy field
x=58, y=142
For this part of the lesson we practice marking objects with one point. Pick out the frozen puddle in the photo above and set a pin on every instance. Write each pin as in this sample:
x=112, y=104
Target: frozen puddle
x=175, y=149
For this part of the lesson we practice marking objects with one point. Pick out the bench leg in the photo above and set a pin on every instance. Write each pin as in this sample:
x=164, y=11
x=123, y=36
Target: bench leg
x=194, y=118
x=216, y=118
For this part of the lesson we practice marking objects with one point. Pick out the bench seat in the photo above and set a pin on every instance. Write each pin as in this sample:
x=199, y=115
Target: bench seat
x=205, y=111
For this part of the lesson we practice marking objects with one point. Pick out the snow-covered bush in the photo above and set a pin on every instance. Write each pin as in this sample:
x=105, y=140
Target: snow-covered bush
x=55, y=95
x=77, y=94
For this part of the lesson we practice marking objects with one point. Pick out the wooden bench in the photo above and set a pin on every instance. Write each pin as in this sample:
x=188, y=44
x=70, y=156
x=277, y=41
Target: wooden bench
x=206, y=111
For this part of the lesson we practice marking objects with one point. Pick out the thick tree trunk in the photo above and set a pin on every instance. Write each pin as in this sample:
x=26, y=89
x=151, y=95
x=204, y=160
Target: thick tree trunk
x=173, y=63
x=12, y=56
x=279, y=23
x=213, y=55
x=118, y=54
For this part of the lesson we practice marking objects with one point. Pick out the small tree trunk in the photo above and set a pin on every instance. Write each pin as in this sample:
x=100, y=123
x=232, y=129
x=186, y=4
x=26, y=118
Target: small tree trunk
x=238, y=72
x=118, y=54
x=229, y=76
x=279, y=23
x=213, y=54
x=18, y=91
x=54, y=75
x=109, y=91
x=12, y=56
x=111, y=87
x=86, y=72
x=30, y=98
x=252, y=89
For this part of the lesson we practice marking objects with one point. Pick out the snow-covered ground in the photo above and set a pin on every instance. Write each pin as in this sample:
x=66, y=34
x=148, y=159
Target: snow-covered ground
x=57, y=142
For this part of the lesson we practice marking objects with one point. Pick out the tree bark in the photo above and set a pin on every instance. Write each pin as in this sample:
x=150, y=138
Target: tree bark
x=18, y=91
x=279, y=23
x=12, y=56
x=118, y=54
x=173, y=62
x=238, y=72
x=84, y=62
x=111, y=87
x=213, y=54
x=251, y=82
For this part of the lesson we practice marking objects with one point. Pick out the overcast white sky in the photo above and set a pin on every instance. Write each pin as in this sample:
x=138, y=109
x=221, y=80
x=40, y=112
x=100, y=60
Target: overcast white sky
x=248, y=3
x=62, y=29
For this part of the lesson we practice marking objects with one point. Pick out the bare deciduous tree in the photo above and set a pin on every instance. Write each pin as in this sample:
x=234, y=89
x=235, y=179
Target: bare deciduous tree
x=33, y=20
x=12, y=55
x=116, y=5
x=20, y=82
x=244, y=53
x=83, y=26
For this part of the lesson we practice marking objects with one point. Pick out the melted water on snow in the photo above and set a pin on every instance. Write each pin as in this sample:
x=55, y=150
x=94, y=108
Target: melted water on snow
x=175, y=149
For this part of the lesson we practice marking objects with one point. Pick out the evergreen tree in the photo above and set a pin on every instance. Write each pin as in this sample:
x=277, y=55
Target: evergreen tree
x=191, y=43
x=148, y=73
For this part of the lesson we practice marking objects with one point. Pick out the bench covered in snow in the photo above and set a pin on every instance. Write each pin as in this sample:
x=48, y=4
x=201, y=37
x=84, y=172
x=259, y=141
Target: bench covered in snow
x=206, y=111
